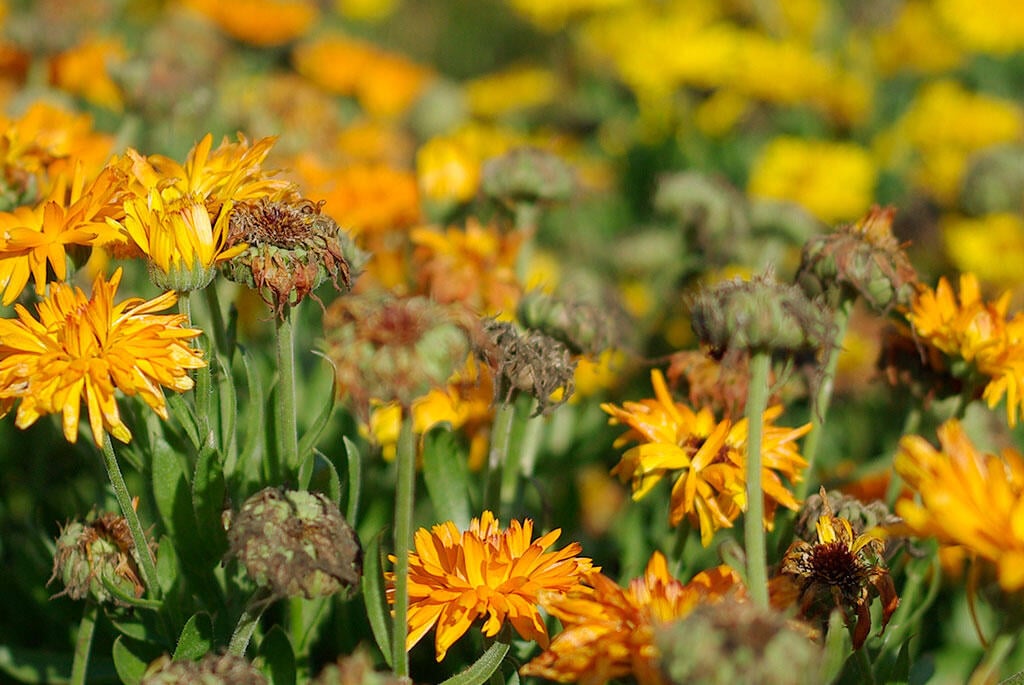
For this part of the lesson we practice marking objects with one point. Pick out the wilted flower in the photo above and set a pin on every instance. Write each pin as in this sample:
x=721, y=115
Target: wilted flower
x=296, y=543
x=838, y=571
x=611, y=632
x=356, y=669
x=454, y=579
x=526, y=175
x=86, y=349
x=530, y=363
x=212, y=669
x=583, y=327
x=97, y=559
x=712, y=213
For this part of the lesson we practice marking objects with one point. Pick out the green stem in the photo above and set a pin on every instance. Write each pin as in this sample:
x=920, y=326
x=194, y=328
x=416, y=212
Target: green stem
x=988, y=670
x=910, y=425
x=83, y=645
x=861, y=656
x=287, y=430
x=405, y=492
x=204, y=382
x=512, y=465
x=248, y=621
x=753, y=528
x=220, y=337
x=147, y=564
x=823, y=397
x=504, y=418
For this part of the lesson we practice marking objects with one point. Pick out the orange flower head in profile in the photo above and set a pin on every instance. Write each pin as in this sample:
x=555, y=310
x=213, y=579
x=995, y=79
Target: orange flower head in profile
x=610, y=631
x=83, y=349
x=485, y=572
x=706, y=457
x=839, y=570
x=988, y=345
x=967, y=498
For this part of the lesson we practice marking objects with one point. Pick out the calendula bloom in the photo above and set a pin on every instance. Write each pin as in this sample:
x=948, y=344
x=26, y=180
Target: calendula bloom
x=967, y=328
x=839, y=570
x=610, y=631
x=34, y=238
x=966, y=498
x=83, y=349
x=485, y=572
x=706, y=457
x=84, y=70
x=260, y=22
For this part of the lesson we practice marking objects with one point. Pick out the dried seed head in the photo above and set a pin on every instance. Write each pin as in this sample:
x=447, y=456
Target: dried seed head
x=582, y=327
x=395, y=349
x=212, y=669
x=527, y=175
x=862, y=516
x=760, y=315
x=861, y=259
x=295, y=542
x=293, y=248
x=357, y=669
x=737, y=642
x=97, y=560
x=712, y=213
x=529, y=363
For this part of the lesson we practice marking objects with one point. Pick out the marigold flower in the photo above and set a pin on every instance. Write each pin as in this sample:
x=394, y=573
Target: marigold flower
x=838, y=571
x=85, y=71
x=84, y=349
x=708, y=455
x=978, y=333
x=456, y=578
x=610, y=631
x=259, y=22
x=967, y=498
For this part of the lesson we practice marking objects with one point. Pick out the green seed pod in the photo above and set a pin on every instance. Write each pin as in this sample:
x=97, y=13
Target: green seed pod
x=97, y=560
x=212, y=669
x=862, y=259
x=994, y=181
x=296, y=543
x=527, y=175
x=731, y=642
x=582, y=327
x=292, y=249
x=530, y=363
x=760, y=315
x=712, y=213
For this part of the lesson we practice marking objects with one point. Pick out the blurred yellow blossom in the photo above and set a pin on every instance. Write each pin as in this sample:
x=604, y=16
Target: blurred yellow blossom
x=496, y=94
x=449, y=166
x=915, y=40
x=989, y=26
x=84, y=70
x=552, y=16
x=972, y=242
x=834, y=181
x=366, y=10
x=259, y=22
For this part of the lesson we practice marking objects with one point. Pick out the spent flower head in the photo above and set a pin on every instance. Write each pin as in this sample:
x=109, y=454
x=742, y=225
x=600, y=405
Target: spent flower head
x=212, y=669
x=97, y=559
x=294, y=542
x=528, y=362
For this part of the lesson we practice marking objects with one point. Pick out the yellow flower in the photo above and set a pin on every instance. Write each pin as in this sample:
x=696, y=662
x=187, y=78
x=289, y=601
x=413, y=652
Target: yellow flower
x=85, y=349
x=838, y=571
x=834, y=181
x=978, y=333
x=33, y=238
x=966, y=498
x=916, y=39
x=496, y=94
x=971, y=243
x=708, y=456
x=454, y=579
x=449, y=167
x=609, y=631
x=259, y=22
x=989, y=26
x=85, y=71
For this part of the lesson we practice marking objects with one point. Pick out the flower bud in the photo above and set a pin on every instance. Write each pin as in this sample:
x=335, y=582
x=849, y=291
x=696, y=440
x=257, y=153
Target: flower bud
x=292, y=249
x=527, y=175
x=730, y=642
x=212, y=669
x=862, y=259
x=295, y=542
x=760, y=315
x=97, y=560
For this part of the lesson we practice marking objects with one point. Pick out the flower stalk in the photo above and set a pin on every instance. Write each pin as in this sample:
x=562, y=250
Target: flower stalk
x=753, y=527
x=83, y=643
x=405, y=492
x=287, y=430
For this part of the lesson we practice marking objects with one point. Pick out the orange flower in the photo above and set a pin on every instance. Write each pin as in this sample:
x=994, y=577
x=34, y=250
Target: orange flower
x=456, y=578
x=85, y=349
x=84, y=71
x=259, y=22
x=609, y=630
x=706, y=456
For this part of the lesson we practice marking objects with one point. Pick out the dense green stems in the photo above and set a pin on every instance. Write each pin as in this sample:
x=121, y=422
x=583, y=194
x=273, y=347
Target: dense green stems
x=501, y=434
x=405, y=492
x=147, y=564
x=83, y=644
x=823, y=396
x=248, y=621
x=287, y=430
x=753, y=527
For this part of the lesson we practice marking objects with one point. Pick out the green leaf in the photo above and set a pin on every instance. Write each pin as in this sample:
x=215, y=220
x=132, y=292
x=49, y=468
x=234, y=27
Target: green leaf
x=308, y=441
x=837, y=647
x=35, y=666
x=172, y=494
x=446, y=476
x=166, y=565
x=228, y=405
x=484, y=667
x=901, y=669
x=196, y=638
x=131, y=658
x=247, y=464
x=185, y=417
x=377, y=609
x=318, y=474
x=355, y=479
x=278, y=657
x=208, y=488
